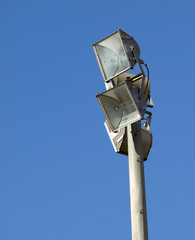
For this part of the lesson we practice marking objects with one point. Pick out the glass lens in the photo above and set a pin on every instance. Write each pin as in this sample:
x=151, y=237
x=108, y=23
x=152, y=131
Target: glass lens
x=113, y=110
x=112, y=56
x=119, y=107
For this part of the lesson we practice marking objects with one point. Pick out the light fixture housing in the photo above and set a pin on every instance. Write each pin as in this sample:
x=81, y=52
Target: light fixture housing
x=122, y=105
x=119, y=140
x=114, y=54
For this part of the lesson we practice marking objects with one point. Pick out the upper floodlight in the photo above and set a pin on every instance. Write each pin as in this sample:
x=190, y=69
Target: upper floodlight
x=114, y=54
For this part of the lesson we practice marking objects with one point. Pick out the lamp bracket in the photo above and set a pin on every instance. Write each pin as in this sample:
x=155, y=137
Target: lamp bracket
x=151, y=105
x=148, y=119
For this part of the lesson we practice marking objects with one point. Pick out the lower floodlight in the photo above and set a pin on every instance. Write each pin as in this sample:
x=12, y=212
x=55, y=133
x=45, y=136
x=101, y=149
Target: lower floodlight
x=114, y=54
x=120, y=143
x=122, y=105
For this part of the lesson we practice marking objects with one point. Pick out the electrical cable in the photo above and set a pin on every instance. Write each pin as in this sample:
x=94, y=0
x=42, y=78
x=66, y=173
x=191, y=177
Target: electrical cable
x=142, y=62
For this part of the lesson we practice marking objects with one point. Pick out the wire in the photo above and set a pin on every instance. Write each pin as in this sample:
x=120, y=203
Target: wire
x=148, y=77
x=142, y=62
x=147, y=70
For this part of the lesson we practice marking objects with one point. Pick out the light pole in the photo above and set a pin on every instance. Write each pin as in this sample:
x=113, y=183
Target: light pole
x=137, y=183
x=124, y=104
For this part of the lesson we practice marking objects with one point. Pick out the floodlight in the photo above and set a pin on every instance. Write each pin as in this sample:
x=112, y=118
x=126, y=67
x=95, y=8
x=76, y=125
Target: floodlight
x=119, y=140
x=114, y=54
x=122, y=105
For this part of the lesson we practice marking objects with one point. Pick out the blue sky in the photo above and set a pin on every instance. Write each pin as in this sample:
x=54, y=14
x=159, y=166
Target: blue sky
x=59, y=175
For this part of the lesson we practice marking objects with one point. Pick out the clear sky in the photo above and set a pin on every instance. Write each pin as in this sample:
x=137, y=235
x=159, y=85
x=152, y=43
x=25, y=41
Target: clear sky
x=59, y=175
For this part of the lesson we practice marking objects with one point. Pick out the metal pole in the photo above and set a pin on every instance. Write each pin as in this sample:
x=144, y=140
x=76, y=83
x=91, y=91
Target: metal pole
x=137, y=183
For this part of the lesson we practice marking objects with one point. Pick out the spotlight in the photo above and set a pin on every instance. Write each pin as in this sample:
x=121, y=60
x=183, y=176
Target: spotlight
x=114, y=54
x=122, y=105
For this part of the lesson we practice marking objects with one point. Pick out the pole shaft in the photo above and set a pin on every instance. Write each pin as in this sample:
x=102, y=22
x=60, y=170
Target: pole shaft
x=137, y=183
